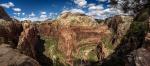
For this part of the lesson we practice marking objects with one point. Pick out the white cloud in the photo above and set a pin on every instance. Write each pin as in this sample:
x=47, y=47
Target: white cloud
x=16, y=9
x=32, y=14
x=43, y=12
x=17, y=14
x=43, y=16
x=98, y=11
x=32, y=17
x=102, y=0
x=105, y=13
x=52, y=15
x=80, y=3
x=95, y=7
x=23, y=13
x=74, y=11
x=77, y=11
x=7, y=5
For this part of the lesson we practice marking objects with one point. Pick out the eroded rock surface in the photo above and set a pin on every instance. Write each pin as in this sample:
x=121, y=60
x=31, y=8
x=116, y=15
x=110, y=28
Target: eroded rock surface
x=11, y=57
x=28, y=41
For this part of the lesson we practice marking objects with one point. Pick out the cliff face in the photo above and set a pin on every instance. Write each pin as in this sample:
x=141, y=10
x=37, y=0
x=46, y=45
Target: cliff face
x=4, y=15
x=9, y=38
x=28, y=41
x=119, y=26
x=78, y=36
x=10, y=32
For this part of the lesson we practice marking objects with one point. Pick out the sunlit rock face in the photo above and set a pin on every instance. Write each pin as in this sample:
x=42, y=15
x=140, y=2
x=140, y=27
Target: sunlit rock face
x=75, y=19
x=28, y=40
x=67, y=42
x=4, y=15
x=11, y=57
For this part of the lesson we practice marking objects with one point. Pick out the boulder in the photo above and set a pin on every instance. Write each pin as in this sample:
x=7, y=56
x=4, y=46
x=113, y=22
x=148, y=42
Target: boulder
x=11, y=57
x=119, y=26
x=139, y=57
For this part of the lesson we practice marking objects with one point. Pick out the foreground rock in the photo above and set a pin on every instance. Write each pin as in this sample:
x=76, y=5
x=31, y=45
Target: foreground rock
x=11, y=57
x=140, y=56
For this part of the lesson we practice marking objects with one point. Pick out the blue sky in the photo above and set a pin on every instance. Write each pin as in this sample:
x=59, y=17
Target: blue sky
x=49, y=9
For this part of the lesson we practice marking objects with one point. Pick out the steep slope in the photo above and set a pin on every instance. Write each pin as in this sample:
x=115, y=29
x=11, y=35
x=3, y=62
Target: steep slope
x=4, y=15
x=77, y=37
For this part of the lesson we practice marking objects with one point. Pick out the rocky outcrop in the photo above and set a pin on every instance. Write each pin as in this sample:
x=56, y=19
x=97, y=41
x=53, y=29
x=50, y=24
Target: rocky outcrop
x=4, y=15
x=140, y=56
x=11, y=57
x=78, y=36
x=119, y=26
x=28, y=41
x=67, y=42
x=45, y=29
x=10, y=32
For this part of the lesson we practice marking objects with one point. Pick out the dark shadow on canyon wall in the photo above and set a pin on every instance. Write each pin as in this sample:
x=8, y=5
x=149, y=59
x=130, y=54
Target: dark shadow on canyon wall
x=133, y=40
x=41, y=58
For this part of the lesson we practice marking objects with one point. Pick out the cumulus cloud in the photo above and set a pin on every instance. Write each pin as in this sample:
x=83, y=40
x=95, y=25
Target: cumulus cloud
x=77, y=11
x=7, y=5
x=96, y=7
x=74, y=11
x=43, y=16
x=27, y=18
x=23, y=13
x=52, y=15
x=102, y=0
x=16, y=9
x=43, y=12
x=33, y=17
x=105, y=13
x=80, y=3
x=32, y=14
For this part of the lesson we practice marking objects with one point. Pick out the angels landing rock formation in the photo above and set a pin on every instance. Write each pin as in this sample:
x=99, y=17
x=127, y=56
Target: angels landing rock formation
x=28, y=40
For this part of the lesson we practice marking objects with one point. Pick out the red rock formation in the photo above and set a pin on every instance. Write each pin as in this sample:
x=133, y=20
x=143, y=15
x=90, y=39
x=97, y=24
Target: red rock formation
x=28, y=41
x=67, y=43
x=45, y=29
